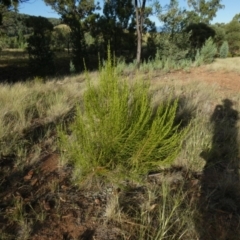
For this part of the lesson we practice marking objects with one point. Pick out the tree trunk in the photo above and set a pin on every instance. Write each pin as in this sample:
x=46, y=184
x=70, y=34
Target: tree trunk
x=139, y=25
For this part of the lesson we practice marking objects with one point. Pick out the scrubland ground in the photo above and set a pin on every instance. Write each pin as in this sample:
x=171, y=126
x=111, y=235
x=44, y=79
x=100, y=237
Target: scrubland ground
x=198, y=197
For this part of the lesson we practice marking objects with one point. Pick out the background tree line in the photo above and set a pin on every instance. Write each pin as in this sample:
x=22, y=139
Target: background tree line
x=85, y=30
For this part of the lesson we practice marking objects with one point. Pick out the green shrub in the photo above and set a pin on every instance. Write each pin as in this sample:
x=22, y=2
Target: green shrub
x=208, y=51
x=224, y=50
x=72, y=67
x=198, y=59
x=174, y=46
x=117, y=128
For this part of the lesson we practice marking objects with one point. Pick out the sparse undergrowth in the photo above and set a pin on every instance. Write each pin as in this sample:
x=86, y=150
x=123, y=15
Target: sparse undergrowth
x=186, y=201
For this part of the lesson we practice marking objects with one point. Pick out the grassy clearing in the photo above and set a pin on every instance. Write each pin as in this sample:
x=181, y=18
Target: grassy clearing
x=26, y=106
x=227, y=65
x=164, y=204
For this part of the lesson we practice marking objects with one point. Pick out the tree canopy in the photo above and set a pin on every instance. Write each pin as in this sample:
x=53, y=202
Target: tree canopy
x=205, y=9
x=126, y=26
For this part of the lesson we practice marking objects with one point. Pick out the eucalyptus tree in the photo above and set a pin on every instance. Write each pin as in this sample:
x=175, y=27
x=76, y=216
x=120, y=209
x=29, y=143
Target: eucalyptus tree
x=4, y=16
x=173, y=41
x=198, y=18
x=117, y=26
x=173, y=18
x=205, y=9
x=220, y=34
x=237, y=17
x=74, y=13
x=200, y=32
x=122, y=20
x=140, y=7
x=41, y=58
x=143, y=23
x=233, y=36
x=9, y=5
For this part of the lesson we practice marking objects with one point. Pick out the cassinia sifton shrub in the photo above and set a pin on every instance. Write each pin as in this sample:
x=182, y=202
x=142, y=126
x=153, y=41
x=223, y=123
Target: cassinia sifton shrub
x=224, y=50
x=117, y=128
x=198, y=59
x=208, y=51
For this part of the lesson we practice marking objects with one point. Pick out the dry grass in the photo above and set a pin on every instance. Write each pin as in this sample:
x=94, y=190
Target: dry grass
x=228, y=65
x=24, y=104
x=164, y=206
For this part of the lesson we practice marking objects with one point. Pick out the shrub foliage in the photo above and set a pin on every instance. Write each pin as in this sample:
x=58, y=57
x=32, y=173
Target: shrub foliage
x=208, y=51
x=224, y=50
x=117, y=127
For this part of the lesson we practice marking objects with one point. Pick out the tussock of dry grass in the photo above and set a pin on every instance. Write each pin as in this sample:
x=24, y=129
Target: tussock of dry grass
x=22, y=104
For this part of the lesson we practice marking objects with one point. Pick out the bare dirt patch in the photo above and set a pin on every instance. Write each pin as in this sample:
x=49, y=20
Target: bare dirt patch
x=226, y=81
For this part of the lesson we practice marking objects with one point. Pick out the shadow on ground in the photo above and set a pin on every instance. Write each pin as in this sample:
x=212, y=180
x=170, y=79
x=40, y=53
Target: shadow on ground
x=219, y=201
x=13, y=72
x=14, y=66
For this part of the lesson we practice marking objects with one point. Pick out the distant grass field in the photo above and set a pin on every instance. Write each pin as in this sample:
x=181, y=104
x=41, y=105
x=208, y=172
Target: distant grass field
x=228, y=64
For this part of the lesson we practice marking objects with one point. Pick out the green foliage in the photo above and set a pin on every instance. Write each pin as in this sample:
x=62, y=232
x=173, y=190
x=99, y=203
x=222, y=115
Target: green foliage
x=61, y=38
x=21, y=40
x=54, y=21
x=10, y=3
x=5, y=7
x=205, y=9
x=173, y=18
x=224, y=50
x=40, y=54
x=173, y=42
x=14, y=23
x=74, y=14
x=220, y=34
x=15, y=29
x=200, y=32
x=191, y=17
x=174, y=47
x=208, y=51
x=233, y=37
x=198, y=59
x=77, y=41
x=117, y=26
x=117, y=127
x=72, y=68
